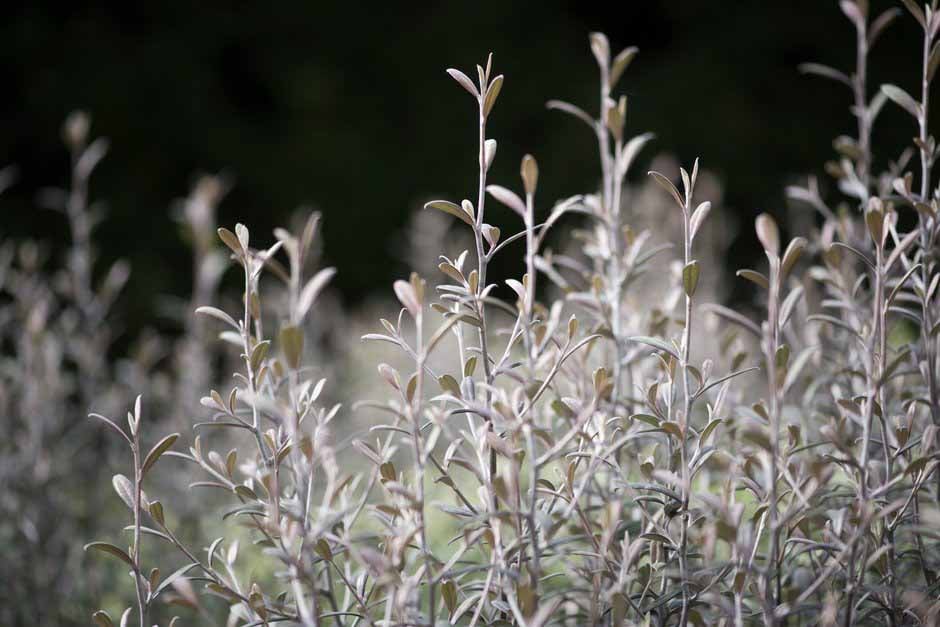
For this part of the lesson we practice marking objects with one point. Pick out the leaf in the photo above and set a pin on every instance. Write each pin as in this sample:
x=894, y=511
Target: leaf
x=862, y=256
x=258, y=354
x=518, y=288
x=690, y=278
x=159, y=449
x=448, y=207
x=529, y=170
x=667, y=185
x=672, y=429
x=732, y=316
x=875, y=220
x=755, y=277
x=449, y=384
x=291, y=339
x=933, y=62
x=656, y=343
x=168, y=581
x=407, y=296
x=102, y=619
x=631, y=150
x=768, y=234
x=469, y=366
x=229, y=239
x=880, y=23
x=322, y=548
x=489, y=152
x=853, y=12
x=491, y=233
x=721, y=380
x=647, y=418
x=901, y=248
x=570, y=109
x=125, y=489
x=789, y=304
x=107, y=547
x=916, y=12
x=698, y=218
x=902, y=99
x=492, y=93
x=112, y=425
x=156, y=511
x=600, y=47
x=620, y=63
x=792, y=254
x=464, y=81
x=312, y=289
x=449, y=592
x=826, y=72
x=711, y=426
x=508, y=198
x=219, y=315
x=242, y=232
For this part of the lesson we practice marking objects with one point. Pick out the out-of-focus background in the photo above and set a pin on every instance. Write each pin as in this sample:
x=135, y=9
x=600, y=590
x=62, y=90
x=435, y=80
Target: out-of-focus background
x=346, y=108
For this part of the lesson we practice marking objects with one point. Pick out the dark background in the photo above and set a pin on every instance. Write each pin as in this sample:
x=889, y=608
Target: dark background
x=346, y=106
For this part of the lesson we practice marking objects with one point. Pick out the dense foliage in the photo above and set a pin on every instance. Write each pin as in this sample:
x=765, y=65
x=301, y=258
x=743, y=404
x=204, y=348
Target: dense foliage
x=594, y=442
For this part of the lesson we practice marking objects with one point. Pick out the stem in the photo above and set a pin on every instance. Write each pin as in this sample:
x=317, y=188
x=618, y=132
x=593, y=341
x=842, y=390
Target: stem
x=138, y=488
x=530, y=280
x=481, y=257
x=860, y=89
x=246, y=347
x=415, y=410
x=535, y=567
x=610, y=207
x=770, y=357
x=882, y=337
x=687, y=408
x=926, y=237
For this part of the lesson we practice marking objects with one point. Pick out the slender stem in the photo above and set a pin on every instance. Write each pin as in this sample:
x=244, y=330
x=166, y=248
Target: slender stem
x=771, y=343
x=687, y=409
x=530, y=279
x=862, y=113
x=872, y=382
x=535, y=567
x=610, y=208
x=246, y=348
x=420, y=461
x=138, y=488
x=926, y=226
x=481, y=257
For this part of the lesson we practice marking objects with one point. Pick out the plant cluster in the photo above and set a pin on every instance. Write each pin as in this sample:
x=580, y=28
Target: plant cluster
x=549, y=452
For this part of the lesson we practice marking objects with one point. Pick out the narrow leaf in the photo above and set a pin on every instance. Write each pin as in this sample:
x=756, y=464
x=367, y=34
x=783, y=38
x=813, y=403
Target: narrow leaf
x=159, y=449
